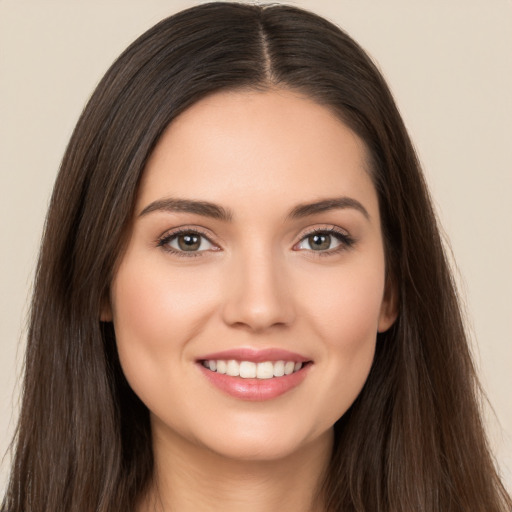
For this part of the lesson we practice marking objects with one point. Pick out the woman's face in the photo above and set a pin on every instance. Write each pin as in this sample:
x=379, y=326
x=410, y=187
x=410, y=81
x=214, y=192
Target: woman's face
x=255, y=250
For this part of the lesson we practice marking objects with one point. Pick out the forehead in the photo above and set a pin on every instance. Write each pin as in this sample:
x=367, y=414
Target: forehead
x=273, y=147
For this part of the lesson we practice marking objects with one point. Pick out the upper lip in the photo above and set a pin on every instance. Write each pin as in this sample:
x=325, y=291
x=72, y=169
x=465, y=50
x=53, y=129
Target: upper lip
x=256, y=355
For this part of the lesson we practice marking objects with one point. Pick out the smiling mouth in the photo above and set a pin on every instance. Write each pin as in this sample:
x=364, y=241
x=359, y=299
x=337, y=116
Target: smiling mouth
x=251, y=370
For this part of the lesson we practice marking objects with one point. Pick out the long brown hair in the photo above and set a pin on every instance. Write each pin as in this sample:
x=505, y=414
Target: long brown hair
x=412, y=441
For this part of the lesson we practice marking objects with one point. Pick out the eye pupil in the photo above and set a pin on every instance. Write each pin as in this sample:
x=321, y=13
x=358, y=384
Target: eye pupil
x=189, y=242
x=319, y=242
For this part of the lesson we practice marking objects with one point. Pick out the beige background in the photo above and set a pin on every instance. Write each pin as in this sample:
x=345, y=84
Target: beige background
x=448, y=63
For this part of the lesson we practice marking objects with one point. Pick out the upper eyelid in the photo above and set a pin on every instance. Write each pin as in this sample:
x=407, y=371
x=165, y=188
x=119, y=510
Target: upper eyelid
x=343, y=236
x=324, y=228
x=186, y=229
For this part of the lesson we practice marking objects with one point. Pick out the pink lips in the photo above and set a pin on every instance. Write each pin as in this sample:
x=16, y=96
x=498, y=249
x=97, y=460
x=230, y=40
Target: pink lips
x=255, y=389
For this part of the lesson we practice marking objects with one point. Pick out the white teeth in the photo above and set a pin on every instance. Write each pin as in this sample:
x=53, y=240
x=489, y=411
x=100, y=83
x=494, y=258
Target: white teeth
x=251, y=370
x=288, y=367
x=221, y=366
x=265, y=370
x=278, y=368
x=233, y=368
x=247, y=370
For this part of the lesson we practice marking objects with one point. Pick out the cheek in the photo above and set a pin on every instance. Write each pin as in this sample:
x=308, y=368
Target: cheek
x=155, y=305
x=346, y=320
x=155, y=314
x=346, y=305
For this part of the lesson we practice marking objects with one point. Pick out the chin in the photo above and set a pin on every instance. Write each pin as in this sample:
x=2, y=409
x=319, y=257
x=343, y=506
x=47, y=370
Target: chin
x=264, y=443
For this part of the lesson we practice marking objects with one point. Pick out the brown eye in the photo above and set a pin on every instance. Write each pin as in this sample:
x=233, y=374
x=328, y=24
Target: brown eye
x=325, y=241
x=319, y=242
x=189, y=242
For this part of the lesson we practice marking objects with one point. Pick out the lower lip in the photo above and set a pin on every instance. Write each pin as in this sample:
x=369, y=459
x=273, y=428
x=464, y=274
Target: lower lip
x=255, y=389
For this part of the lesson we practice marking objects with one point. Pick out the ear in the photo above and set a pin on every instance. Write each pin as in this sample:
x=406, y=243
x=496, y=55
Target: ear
x=389, y=306
x=106, y=310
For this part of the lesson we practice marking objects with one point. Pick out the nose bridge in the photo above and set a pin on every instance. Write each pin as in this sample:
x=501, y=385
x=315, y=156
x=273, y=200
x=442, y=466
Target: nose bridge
x=258, y=292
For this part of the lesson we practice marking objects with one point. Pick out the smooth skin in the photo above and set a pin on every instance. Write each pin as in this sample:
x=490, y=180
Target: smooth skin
x=257, y=278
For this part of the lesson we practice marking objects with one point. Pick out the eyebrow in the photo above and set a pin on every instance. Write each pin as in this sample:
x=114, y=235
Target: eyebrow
x=325, y=205
x=204, y=208
x=215, y=211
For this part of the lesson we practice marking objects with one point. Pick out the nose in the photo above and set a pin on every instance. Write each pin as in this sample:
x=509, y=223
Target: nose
x=259, y=294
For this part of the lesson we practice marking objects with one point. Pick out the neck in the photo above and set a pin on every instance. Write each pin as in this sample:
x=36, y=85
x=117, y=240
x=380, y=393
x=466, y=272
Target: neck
x=188, y=478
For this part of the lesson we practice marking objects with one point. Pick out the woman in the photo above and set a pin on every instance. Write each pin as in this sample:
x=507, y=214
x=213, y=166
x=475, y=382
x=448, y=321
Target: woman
x=242, y=298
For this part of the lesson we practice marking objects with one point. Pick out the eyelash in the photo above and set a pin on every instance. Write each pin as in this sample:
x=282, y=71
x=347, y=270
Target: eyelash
x=346, y=241
x=169, y=237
